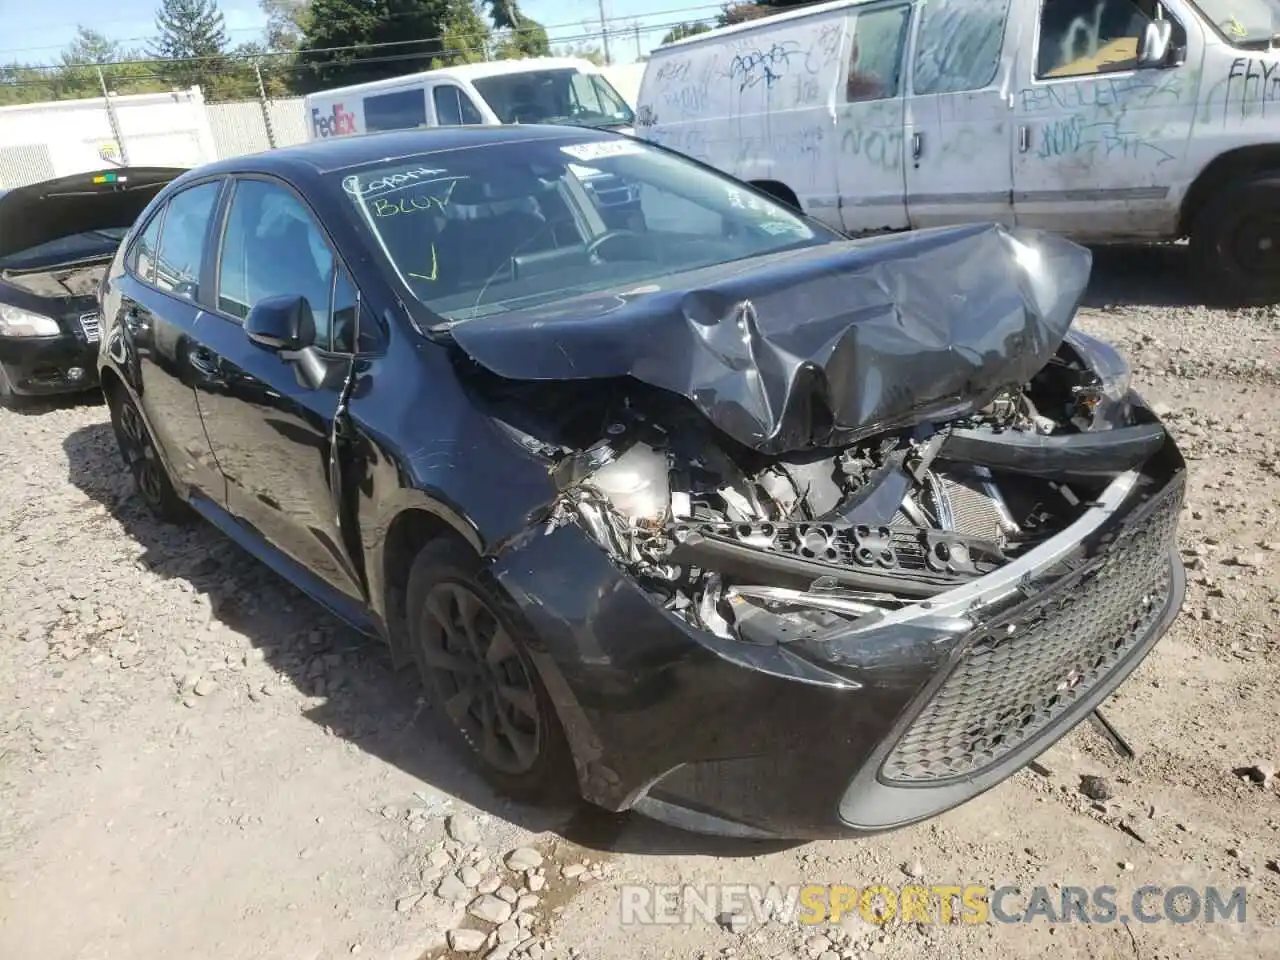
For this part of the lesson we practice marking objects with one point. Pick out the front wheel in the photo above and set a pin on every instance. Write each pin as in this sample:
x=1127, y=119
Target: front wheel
x=1235, y=244
x=481, y=682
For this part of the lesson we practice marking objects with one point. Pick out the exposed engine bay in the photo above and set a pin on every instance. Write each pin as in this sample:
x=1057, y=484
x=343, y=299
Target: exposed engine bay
x=755, y=546
x=81, y=280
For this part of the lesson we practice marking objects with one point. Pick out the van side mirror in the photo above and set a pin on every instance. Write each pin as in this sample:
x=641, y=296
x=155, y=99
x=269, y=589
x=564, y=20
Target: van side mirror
x=281, y=323
x=1155, y=43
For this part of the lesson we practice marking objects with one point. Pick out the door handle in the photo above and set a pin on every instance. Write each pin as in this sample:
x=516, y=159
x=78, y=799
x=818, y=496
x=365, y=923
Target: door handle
x=1024, y=138
x=917, y=145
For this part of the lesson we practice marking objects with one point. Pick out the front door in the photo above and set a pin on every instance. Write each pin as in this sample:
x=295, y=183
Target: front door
x=959, y=166
x=869, y=119
x=1099, y=142
x=272, y=433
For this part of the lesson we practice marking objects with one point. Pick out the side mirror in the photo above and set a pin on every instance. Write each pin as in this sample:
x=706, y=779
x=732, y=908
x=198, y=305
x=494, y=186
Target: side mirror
x=1153, y=47
x=281, y=323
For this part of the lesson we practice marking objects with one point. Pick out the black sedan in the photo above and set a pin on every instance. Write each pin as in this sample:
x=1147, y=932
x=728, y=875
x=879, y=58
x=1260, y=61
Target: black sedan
x=56, y=239
x=722, y=518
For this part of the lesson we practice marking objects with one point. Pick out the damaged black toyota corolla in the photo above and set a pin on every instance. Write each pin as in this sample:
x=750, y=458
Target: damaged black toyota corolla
x=760, y=530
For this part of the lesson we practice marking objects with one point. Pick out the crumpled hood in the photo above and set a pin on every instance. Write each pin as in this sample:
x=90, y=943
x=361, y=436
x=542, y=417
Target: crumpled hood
x=820, y=346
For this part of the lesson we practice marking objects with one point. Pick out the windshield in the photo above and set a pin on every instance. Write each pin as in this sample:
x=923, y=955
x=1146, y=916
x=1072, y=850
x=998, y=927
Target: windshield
x=509, y=225
x=1244, y=22
x=555, y=96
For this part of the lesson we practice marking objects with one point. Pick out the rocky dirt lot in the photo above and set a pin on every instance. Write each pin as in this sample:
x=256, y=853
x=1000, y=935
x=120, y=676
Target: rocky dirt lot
x=195, y=761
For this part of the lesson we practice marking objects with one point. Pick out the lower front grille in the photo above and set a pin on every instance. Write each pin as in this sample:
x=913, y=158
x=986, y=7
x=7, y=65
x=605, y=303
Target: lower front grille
x=1018, y=674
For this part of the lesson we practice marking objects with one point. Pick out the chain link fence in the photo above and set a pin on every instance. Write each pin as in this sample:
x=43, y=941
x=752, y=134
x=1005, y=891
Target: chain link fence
x=40, y=141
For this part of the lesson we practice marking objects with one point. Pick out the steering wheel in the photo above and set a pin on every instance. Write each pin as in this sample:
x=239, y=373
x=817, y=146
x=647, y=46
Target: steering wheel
x=593, y=248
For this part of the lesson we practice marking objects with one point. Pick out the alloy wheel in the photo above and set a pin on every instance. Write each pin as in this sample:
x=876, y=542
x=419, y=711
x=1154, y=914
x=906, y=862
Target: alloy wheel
x=482, y=680
x=140, y=453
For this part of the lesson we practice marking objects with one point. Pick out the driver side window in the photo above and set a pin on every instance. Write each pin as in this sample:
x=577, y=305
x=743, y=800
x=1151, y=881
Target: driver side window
x=272, y=246
x=1081, y=38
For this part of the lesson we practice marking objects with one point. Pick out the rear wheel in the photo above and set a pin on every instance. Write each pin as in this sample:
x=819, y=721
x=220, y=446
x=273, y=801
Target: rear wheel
x=143, y=460
x=1235, y=244
x=483, y=687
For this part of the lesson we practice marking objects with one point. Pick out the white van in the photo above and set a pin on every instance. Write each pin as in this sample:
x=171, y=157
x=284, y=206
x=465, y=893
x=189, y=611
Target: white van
x=533, y=90
x=562, y=90
x=1105, y=120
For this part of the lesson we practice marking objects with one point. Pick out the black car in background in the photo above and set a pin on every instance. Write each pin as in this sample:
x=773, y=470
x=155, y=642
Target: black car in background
x=722, y=518
x=56, y=240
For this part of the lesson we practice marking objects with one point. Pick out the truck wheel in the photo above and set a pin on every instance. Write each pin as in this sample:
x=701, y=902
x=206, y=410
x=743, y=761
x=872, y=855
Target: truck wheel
x=483, y=688
x=1235, y=244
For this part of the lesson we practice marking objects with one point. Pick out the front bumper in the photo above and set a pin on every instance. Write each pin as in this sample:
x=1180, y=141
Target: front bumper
x=862, y=730
x=39, y=366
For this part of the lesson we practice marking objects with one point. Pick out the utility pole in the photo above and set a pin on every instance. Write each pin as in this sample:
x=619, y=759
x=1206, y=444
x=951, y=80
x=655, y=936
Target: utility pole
x=112, y=120
x=636, y=26
x=604, y=34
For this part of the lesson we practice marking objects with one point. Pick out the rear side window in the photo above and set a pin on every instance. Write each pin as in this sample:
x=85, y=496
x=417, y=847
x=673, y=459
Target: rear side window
x=181, y=247
x=142, y=256
x=273, y=246
x=454, y=107
x=877, y=53
x=402, y=110
x=958, y=45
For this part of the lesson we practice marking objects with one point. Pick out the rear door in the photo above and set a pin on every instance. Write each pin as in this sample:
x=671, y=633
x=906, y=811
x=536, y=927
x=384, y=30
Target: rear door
x=270, y=432
x=159, y=307
x=869, y=119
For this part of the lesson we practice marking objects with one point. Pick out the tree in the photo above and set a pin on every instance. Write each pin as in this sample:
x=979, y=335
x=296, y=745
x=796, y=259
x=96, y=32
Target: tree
x=528, y=38
x=77, y=72
x=286, y=23
x=466, y=35
x=193, y=36
x=682, y=30
x=583, y=51
x=742, y=12
x=374, y=39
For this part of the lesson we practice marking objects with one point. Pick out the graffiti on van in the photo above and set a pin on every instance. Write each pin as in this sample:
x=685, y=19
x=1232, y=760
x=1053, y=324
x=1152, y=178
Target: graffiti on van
x=755, y=67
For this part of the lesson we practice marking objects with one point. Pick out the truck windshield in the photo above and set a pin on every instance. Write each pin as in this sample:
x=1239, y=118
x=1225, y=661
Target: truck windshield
x=555, y=96
x=1245, y=23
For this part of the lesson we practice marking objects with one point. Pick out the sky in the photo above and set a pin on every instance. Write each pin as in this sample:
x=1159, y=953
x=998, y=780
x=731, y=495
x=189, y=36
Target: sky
x=36, y=33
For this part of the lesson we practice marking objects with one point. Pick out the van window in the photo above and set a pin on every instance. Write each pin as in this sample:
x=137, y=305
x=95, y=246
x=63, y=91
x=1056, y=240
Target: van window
x=958, y=45
x=402, y=110
x=554, y=96
x=1080, y=38
x=454, y=106
x=875, y=60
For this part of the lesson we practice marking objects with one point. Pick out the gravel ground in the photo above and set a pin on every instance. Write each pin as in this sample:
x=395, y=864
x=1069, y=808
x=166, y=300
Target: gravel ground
x=195, y=761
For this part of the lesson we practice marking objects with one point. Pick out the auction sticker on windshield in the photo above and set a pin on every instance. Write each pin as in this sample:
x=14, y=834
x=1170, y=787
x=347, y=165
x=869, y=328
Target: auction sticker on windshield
x=601, y=149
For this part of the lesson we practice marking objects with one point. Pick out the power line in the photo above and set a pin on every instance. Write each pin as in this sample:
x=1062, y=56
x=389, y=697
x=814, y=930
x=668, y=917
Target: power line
x=577, y=23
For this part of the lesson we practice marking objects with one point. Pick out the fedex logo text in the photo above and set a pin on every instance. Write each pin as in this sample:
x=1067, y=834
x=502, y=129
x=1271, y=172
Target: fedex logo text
x=335, y=124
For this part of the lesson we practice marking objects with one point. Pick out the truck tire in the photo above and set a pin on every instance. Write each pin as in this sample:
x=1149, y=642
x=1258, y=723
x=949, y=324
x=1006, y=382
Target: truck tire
x=1235, y=244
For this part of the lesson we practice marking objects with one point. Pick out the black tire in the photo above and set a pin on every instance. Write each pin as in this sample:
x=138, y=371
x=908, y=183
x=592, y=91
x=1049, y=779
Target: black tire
x=526, y=756
x=138, y=449
x=1235, y=244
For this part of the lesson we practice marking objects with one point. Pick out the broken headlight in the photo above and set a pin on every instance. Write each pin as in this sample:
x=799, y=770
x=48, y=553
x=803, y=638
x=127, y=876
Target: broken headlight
x=1102, y=398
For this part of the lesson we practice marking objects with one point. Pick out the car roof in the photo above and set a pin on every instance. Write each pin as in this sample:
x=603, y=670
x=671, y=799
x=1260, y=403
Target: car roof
x=340, y=153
